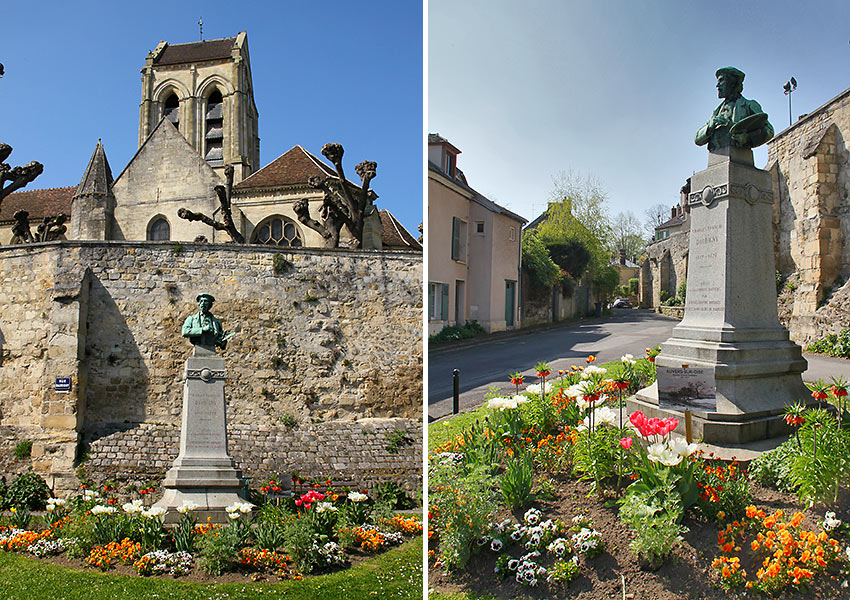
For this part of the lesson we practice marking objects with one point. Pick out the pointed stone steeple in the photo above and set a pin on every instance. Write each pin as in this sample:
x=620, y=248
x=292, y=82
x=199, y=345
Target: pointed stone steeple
x=93, y=205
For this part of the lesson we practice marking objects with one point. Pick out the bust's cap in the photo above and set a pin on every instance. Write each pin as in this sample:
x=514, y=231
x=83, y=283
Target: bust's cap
x=204, y=295
x=736, y=73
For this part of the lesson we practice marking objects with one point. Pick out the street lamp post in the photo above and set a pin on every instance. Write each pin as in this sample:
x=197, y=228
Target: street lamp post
x=788, y=87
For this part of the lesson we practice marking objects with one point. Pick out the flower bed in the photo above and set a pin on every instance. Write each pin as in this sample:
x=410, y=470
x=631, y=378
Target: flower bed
x=558, y=492
x=286, y=539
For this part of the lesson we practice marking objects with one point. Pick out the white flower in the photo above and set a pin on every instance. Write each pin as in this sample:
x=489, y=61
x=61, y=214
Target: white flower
x=100, y=509
x=245, y=507
x=133, y=507
x=50, y=507
x=604, y=416
x=499, y=403
x=324, y=506
x=496, y=545
x=830, y=522
x=656, y=451
x=232, y=508
x=534, y=388
x=153, y=512
x=628, y=359
x=57, y=501
x=513, y=564
x=90, y=495
x=234, y=515
x=592, y=370
x=187, y=506
x=357, y=497
x=532, y=516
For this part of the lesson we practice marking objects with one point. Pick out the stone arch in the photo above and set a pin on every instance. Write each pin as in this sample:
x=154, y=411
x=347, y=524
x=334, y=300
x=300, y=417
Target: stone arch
x=156, y=227
x=213, y=82
x=278, y=230
x=164, y=89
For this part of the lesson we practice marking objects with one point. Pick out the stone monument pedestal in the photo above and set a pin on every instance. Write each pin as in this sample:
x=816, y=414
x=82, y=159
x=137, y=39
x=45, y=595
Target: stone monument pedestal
x=731, y=323
x=203, y=471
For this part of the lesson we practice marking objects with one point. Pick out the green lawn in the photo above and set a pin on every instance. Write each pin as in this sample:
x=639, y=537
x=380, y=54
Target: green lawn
x=394, y=574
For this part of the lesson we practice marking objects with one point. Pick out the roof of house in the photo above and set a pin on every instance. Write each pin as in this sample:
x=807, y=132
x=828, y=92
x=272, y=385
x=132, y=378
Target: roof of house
x=629, y=264
x=460, y=181
x=673, y=222
x=49, y=202
x=394, y=234
x=293, y=167
x=175, y=54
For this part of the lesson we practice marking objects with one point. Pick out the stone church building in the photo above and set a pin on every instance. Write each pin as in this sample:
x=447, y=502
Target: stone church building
x=197, y=115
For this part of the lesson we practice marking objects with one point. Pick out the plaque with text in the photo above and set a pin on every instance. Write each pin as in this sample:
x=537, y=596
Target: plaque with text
x=687, y=388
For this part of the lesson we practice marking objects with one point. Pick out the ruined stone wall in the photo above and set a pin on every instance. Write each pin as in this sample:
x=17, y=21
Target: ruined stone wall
x=328, y=335
x=667, y=268
x=810, y=165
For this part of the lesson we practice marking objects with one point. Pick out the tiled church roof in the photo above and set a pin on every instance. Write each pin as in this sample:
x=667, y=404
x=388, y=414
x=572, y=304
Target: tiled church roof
x=292, y=168
x=48, y=202
x=176, y=54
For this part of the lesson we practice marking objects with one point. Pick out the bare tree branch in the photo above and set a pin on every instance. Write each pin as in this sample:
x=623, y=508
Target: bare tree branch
x=224, y=193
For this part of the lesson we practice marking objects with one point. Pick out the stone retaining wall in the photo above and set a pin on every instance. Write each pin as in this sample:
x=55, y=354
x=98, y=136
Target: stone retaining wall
x=323, y=336
x=363, y=453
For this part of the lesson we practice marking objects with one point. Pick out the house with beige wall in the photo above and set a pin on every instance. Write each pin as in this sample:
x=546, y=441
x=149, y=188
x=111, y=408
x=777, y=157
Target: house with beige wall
x=474, y=249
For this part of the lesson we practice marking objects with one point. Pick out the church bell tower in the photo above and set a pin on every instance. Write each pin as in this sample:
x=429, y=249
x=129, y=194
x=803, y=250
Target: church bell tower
x=205, y=90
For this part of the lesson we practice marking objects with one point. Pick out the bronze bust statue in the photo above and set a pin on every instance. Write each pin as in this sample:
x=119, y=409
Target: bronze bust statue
x=202, y=328
x=737, y=122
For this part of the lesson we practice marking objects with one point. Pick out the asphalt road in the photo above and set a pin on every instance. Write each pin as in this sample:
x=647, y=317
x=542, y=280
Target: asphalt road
x=490, y=362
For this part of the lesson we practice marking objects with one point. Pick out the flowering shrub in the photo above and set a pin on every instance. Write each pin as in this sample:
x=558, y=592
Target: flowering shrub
x=406, y=525
x=330, y=553
x=564, y=571
x=724, y=490
x=18, y=540
x=104, y=557
x=267, y=560
x=160, y=562
x=792, y=555
x=47, y=547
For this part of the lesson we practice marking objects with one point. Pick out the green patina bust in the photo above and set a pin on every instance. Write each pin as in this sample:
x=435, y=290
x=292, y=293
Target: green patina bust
x=202, y=328
x=737, y=122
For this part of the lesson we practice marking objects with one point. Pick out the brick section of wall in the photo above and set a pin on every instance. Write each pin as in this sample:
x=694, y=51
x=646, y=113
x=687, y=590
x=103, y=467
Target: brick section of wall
x=356, y=452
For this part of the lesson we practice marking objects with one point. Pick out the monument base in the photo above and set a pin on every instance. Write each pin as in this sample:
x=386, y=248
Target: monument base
x=203, y=472
x=715, y=428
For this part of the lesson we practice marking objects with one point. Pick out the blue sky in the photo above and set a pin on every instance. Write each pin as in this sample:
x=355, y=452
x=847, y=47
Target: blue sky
x=323, y=71
x=615, y=89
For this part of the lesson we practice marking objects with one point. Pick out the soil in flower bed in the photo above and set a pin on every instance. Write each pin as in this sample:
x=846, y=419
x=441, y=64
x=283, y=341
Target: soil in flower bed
x=684, y=576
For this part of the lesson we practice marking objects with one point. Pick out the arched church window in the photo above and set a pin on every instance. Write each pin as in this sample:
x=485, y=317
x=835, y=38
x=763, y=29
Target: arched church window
x=172, y=109
x=159, y=230
x=214, y=130
x=278, y=231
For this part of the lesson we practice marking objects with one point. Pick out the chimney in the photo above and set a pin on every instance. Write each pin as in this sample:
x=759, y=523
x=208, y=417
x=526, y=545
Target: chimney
x=673, y=213
x=623, y=257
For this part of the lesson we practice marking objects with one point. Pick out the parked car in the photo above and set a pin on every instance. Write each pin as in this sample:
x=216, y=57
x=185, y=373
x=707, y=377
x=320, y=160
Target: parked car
x=622, y=303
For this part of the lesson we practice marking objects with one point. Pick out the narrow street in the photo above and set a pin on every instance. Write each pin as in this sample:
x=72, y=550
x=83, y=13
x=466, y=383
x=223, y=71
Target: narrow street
x=490, y=362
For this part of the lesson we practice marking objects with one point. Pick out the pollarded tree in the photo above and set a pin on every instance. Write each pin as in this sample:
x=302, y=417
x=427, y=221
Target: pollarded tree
x=224, y=193
x=342, y=206
x=17, y=177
